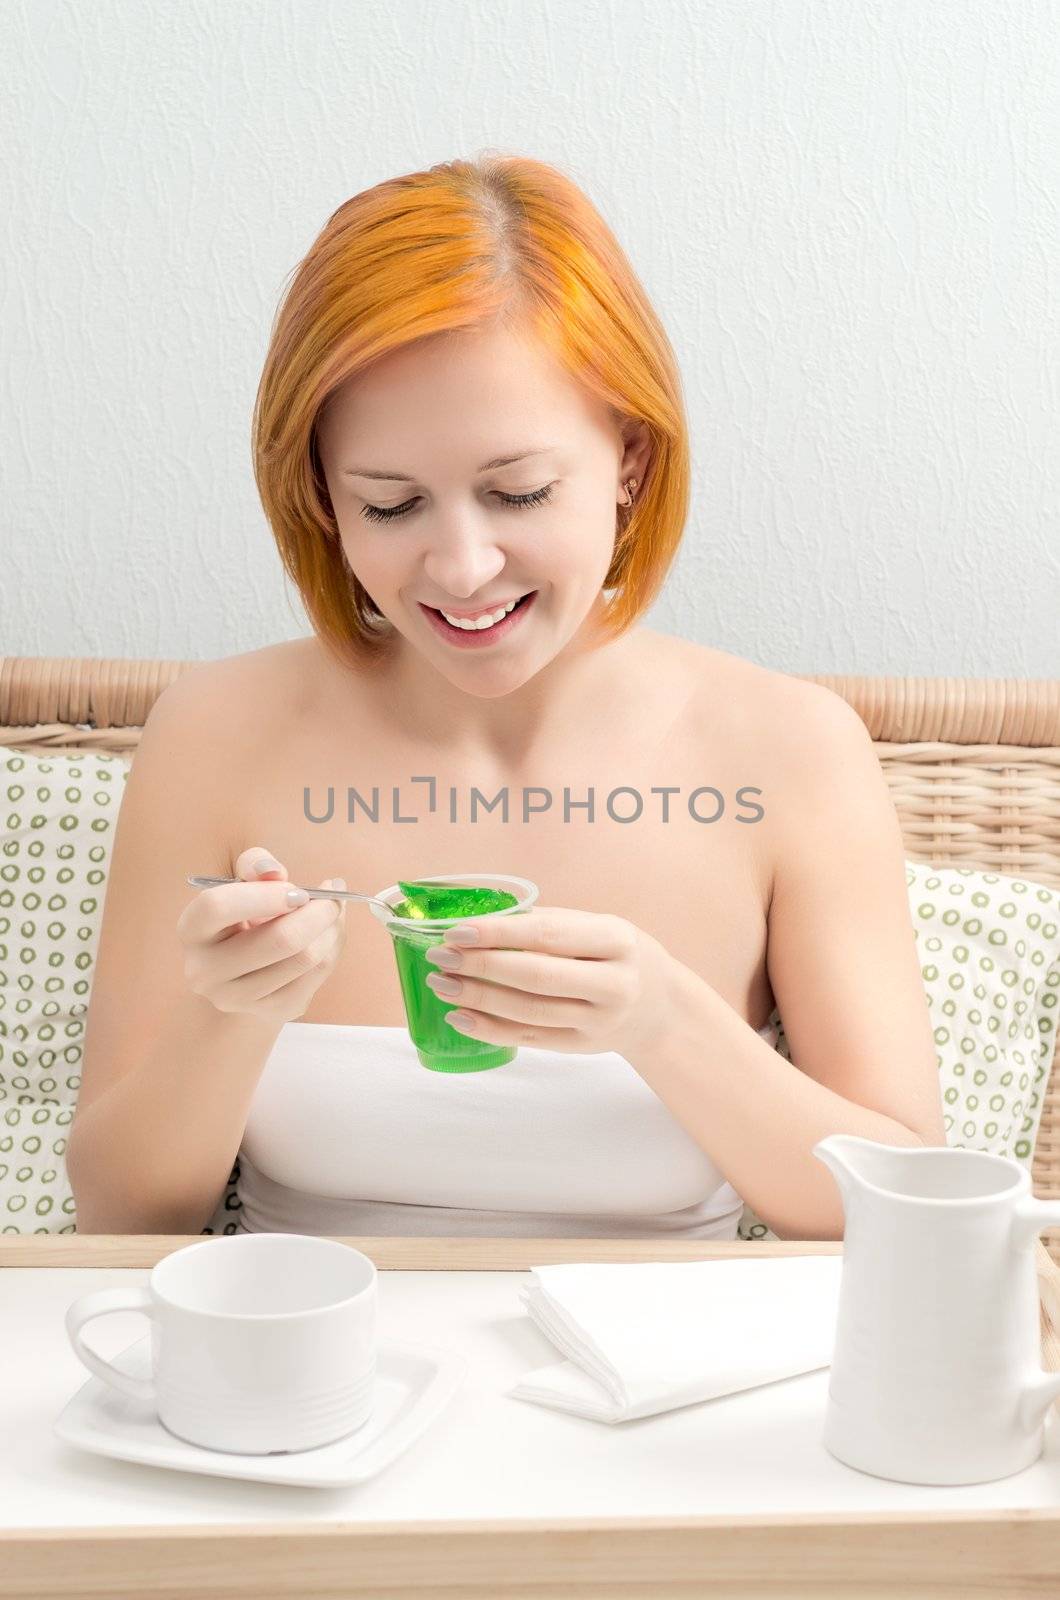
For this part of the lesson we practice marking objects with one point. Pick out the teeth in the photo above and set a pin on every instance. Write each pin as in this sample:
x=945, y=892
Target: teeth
x=486, y=621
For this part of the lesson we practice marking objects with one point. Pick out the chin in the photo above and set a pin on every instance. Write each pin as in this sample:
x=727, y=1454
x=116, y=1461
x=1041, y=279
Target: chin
x=485, y=692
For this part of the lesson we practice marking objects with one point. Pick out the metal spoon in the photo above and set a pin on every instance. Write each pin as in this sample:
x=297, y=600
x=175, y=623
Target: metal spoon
x=314, y=894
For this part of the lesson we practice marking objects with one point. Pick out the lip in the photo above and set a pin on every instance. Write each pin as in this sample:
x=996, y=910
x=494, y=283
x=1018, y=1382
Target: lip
x=477, y=638
x=483, y=611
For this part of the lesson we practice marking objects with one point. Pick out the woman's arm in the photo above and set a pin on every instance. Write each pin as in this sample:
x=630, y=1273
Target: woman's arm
x=189, y=994
x=166, y=1080
x=153, y=1153
x=843, y=966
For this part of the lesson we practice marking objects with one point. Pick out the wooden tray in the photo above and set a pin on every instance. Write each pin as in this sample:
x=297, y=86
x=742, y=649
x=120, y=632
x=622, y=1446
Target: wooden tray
x=829, y=1555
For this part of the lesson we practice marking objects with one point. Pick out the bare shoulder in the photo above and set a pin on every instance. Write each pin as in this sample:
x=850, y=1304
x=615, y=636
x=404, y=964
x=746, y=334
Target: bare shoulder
x=207, y=753
x=798, y=747
x=800, y=744
x=230, y=693
x=781, y=717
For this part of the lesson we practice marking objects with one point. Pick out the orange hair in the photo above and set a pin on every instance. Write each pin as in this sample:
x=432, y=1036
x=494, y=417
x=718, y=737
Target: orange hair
x=462, y=245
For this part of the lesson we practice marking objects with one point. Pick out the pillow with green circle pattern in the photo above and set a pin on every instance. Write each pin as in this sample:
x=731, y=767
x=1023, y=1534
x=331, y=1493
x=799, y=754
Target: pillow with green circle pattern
x=57, y=816
x=989, y=948
x=57, y=819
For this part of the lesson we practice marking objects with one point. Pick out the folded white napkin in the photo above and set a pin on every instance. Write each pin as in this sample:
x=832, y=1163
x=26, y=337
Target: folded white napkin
x=643, y=1337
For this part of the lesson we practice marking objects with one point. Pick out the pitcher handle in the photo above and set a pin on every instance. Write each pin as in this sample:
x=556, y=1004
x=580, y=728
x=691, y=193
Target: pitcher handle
x=99, y=1304
x=1030, y=1216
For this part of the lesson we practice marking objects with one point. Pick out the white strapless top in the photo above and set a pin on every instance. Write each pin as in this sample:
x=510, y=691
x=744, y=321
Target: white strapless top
x=348, y=1134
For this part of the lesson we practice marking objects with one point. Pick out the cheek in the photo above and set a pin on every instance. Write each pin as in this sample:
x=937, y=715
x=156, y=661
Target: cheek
x=373, y=566
x=591, y=557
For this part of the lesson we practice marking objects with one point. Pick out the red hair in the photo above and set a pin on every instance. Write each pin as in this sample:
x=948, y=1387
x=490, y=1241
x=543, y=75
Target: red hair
x=460, y=246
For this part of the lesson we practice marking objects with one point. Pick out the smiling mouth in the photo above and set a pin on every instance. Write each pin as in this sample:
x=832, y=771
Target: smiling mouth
x=468, y=634
x=480, y=611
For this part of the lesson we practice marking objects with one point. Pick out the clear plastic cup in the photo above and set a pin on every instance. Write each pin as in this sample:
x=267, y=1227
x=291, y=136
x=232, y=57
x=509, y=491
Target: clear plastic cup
x=440, y=1047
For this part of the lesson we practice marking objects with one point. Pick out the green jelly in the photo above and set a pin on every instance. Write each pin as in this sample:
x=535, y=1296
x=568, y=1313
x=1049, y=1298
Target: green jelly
x=432, y=900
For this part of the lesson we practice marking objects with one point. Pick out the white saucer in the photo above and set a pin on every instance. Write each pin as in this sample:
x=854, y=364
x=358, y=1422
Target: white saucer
x=413, y=1385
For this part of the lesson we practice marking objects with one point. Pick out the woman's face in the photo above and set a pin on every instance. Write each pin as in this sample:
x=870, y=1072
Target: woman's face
x=434, y=517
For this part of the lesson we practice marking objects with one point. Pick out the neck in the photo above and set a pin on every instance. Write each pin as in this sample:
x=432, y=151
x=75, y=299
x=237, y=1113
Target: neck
x=504, y=728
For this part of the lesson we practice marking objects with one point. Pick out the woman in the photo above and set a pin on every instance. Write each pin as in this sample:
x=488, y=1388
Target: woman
x=469, y=402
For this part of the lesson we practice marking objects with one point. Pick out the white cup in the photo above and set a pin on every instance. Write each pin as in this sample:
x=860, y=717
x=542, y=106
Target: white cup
x=260, y=1343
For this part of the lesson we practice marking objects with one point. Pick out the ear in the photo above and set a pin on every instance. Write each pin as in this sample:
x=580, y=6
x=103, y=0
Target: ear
x=636, y=454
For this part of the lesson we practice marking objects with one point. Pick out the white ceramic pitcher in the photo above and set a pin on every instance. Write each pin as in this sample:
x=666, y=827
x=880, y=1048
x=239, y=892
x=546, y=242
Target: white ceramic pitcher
x=936, y=1372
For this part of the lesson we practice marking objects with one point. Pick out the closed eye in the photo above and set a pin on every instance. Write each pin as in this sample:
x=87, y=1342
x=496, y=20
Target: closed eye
x=537, y=497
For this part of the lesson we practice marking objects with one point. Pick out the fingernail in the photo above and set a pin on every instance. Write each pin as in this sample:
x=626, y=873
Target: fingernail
x=440, y=956
x=462, y=935
x=266, y=864
x=338, y=883
x=296, y=897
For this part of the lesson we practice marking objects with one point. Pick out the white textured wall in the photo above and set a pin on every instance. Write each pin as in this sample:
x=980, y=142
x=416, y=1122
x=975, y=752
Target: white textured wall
x=846, y=212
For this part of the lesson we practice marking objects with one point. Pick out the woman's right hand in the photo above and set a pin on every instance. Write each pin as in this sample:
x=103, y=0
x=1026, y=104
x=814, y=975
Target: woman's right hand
x=249, y=952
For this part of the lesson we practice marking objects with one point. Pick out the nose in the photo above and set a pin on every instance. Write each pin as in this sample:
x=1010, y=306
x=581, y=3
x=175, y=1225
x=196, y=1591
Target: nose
x=461, y=564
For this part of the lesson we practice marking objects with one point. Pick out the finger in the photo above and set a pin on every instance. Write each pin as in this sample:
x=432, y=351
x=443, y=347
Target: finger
x=558, y=929
x=248, y=988
x=288, y=999
x=266, y=977
x=211, y=915
x=497, y=1030
x=282, y=936
x=287, y=986
x=291, y=999
x=256, y=862
x=251, y=865
x=515, y=1005
x=570, y=977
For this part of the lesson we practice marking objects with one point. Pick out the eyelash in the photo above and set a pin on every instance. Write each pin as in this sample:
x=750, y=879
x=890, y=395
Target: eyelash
x=537, y=497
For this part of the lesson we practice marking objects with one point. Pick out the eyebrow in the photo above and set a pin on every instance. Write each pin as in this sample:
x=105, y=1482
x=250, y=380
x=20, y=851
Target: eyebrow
x=407, y=477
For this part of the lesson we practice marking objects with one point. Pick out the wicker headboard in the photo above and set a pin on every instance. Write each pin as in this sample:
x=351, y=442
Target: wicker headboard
x=973, y=766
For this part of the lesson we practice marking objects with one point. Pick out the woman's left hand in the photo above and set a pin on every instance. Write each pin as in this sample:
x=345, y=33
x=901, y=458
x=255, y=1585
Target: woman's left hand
x=557, y=978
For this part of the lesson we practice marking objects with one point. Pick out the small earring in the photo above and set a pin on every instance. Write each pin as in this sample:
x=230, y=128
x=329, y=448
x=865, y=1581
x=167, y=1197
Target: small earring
x=629, y=486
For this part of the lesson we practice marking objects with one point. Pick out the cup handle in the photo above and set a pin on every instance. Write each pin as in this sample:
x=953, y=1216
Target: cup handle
x=99, y=1304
